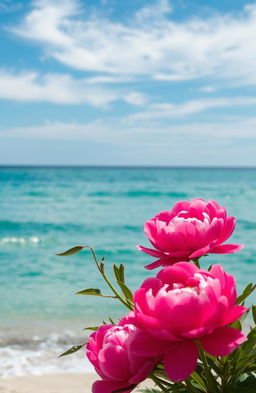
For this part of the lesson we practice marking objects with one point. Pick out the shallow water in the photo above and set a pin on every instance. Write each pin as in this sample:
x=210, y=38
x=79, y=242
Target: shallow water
x=48, y=210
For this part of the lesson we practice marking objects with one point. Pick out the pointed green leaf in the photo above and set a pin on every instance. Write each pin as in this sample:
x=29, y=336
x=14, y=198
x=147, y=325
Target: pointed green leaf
x=126, y=291
x=121, y=272
x=254, y=313
x=111, y=320
x=90, y=291
x=94, y=328
x=236, y=325
x=116, y=272
x=199, y=380
x=247, y=291
x=72, y=350
x=71, y=251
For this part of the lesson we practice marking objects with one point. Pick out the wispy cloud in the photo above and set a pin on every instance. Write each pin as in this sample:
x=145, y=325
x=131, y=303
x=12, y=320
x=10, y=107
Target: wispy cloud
x=61, y=89
x=182, y=110
x=119, y=132
x=148, y=45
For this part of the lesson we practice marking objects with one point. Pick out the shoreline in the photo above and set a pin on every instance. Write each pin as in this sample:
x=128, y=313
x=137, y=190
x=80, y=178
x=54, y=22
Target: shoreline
x=54, y=383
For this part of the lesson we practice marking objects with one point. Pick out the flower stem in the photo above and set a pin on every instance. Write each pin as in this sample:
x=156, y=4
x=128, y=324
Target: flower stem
x=210, y=380
x=122, y=300
x=158, y=382
x=196, y=262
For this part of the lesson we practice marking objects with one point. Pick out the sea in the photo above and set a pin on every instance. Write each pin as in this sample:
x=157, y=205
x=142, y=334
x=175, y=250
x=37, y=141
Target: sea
x=45, y=211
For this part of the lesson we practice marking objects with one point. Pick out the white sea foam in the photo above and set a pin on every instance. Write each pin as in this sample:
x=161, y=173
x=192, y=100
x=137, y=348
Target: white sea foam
x=20, y=240
x=39, y=357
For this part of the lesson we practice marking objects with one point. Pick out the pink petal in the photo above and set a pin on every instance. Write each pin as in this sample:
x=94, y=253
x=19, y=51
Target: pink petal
x=180, y=272
x=150, y=251
x=164, y=261
x=110, y=386
x=142, y=372
x=143, y=344
x=228, y=229
x=180, y=206
x=235, y=313
x=200, y=252
x=223, y=341
x=181, y=360
x=114, y=362
x=227, y=248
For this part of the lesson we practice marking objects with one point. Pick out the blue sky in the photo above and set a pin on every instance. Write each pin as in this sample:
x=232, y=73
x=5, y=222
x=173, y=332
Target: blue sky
x=136, y=82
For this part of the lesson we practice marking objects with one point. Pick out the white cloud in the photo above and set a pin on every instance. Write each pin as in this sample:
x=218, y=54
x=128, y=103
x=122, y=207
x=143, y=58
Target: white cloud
x=150, y=44
x=175, y=111
x=119, y=132
x=60, y=89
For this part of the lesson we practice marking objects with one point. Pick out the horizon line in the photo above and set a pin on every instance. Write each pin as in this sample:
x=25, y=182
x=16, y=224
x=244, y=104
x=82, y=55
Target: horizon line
x=78, y=166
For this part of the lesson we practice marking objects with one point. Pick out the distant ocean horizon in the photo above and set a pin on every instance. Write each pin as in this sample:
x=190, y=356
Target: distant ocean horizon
x=48, y=209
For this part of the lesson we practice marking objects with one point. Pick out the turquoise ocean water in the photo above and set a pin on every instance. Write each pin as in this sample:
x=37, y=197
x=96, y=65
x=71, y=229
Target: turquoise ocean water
x=48, y=210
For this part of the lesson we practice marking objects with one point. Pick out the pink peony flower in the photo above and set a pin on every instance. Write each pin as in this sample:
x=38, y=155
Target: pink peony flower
x=188, y=231
x=184, y=305
x=108, y=351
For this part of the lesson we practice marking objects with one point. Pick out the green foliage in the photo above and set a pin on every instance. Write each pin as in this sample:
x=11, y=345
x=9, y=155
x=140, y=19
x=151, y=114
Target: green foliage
x=235, y=373
x=120, y=280
x=72, y=350
x=247, y=292
x=150, y=391
x=93, y=328
x=90, y=291
x=71, y=251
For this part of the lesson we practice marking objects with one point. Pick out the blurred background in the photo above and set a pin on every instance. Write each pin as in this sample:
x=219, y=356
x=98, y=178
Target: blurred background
x=110, y=112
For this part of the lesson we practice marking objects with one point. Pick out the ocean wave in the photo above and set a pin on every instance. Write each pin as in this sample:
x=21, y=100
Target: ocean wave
x=138, y=193
x=19, y=240
x=38, y=356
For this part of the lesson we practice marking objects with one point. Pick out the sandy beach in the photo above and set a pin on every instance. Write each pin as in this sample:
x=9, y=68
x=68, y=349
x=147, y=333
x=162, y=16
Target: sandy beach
x=57, y=383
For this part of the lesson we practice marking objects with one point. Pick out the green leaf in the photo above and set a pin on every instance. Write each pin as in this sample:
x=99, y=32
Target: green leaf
x=90, y=291
x=150, y=391
x=94, y=328
x=236, y=325
x=126, y=291
x=72, y=350
x=111, y=320
x=199, y=380
x=71, y=251
x=247, y=291
x=254, y=313
x=121, y=273
x=247, y=385
x=102, y=264
x=116, y=273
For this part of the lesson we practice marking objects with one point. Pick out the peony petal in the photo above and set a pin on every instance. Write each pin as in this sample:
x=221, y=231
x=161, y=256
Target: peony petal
x=180, y=272
x=114, y=362
x=181, y=360
x=235, y=313
x=111, y=386
x=142, y=372
x=227, y=248
x=164, y=261
x=143, y=344
x=223, y=341
x=228, y=229
x=200, y=252
x=150, y=251
x=180, y=206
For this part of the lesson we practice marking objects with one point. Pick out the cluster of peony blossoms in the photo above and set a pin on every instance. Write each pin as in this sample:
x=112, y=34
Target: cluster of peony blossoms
x=179, y=309
x=179, y=318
